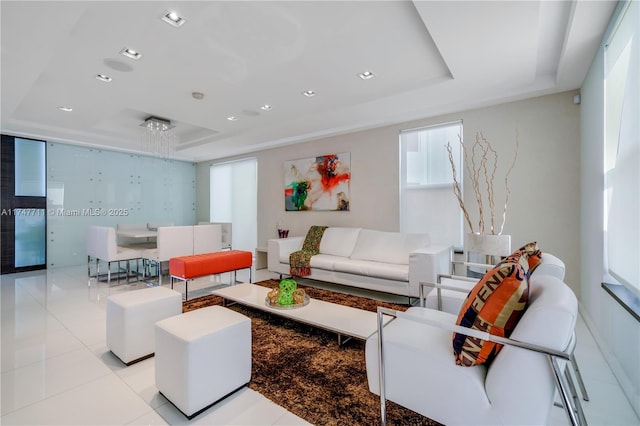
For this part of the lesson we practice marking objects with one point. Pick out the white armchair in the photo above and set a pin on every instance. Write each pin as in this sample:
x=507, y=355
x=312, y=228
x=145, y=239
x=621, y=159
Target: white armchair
x=410, y=361
x=449, y=293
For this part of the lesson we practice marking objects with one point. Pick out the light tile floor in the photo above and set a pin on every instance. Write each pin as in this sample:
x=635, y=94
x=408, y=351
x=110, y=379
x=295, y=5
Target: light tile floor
x=56, y=368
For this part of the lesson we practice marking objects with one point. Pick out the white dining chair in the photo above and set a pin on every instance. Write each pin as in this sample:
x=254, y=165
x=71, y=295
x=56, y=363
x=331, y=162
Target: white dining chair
x=173, y=241
x=102, y=246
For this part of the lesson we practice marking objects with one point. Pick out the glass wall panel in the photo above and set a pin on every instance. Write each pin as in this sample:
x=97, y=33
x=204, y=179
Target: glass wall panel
x=30, y=234
x=30, y=171
x=89, y=186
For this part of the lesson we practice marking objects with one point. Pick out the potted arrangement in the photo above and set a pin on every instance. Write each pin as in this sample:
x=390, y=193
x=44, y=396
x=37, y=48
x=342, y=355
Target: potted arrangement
x=481, y=164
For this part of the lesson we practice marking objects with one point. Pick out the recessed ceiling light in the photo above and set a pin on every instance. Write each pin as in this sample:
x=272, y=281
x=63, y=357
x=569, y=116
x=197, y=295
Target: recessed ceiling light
x=130, y=53
x=65, y=109
x=104, y=78
x=232, y=118
x=266, y=107
x=366, y=75
x=173, y=19
x=309, y=93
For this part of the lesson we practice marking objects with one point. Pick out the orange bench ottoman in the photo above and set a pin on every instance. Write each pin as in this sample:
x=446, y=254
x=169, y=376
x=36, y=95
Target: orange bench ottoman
x=199, y=265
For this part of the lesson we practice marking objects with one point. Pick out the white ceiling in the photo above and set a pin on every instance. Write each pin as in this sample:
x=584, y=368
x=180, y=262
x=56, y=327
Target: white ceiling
x=428, y=57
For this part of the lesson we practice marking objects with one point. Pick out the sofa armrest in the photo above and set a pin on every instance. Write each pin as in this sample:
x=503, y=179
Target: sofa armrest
x=426, y=264
x=278, y=247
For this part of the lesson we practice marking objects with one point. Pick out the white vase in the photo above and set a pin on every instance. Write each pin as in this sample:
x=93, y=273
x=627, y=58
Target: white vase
x=483, y=249
x=490, y=245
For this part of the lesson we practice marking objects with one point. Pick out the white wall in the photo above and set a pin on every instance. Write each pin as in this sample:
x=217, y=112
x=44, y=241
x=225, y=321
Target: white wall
x=615, y=330
x=203, y=193
x=544, y=204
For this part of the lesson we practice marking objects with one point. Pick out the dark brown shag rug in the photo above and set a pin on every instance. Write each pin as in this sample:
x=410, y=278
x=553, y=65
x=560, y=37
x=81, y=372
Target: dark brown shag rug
x=302, y=369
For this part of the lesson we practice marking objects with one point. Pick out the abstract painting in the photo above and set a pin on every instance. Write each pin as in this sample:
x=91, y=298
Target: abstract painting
x=318, y=183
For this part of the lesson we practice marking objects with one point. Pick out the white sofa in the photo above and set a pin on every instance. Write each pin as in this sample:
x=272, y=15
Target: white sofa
x=390, y=262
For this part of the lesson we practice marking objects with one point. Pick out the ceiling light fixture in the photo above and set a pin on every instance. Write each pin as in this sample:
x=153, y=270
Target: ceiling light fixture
x=104, y=78
x=65, y=109
x=197, y=95
x=309, y=93
x=266, y=107
x=173, y=19
x=232, y=118
x=130, y=53
x=366, y=75
x=157, y=137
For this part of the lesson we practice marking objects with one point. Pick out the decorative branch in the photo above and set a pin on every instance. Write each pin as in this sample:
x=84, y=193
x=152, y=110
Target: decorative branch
x=489, y=180
x=481, y=164
x=456, y=188
x=474, y=172
x=506, y=182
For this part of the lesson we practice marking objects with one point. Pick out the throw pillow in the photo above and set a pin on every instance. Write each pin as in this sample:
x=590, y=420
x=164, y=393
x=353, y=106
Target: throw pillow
x=495, y=305
x=534, y=255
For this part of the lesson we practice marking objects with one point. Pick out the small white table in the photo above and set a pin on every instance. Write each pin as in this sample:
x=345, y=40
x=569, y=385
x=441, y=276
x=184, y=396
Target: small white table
x=261, y=257
x=343, y=320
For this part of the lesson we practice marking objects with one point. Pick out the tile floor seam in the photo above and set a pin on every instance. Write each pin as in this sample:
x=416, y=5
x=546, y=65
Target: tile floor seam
x=53, y=395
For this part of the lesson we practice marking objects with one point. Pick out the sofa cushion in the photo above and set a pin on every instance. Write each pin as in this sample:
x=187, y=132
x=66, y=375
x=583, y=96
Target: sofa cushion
x=367, y=268
x=338, y=241
x=350, y=266
x=387, y=247
x=389, y=271
x=495, y=305
x=325, y=261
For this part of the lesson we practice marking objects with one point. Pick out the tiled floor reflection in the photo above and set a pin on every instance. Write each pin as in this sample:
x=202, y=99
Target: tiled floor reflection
x=56, y=368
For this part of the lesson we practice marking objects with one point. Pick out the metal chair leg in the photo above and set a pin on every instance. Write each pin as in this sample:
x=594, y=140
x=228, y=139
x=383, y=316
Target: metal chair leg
x=576, y=370
x=569, y=402
x=381, y=375
x=576, y=398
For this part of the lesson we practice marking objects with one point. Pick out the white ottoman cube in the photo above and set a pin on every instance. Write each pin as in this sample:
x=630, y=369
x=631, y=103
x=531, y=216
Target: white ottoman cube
x=202, y=356
x=131, y=317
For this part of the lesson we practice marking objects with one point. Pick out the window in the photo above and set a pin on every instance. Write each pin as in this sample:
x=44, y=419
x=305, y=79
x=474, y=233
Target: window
x=30, y=168
x=234, y=199
x=622, y=149
x=427, y=201
x=427, y=159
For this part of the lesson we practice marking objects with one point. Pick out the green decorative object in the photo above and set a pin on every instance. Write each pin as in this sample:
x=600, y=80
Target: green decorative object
x=287, y=287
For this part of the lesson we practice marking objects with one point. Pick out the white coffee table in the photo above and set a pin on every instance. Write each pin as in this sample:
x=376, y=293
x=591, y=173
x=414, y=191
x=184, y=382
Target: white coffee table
x=342, y=320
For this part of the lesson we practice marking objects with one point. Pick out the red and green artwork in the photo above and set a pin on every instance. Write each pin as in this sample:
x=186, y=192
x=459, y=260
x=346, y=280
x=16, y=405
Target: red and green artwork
x=318, y=183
